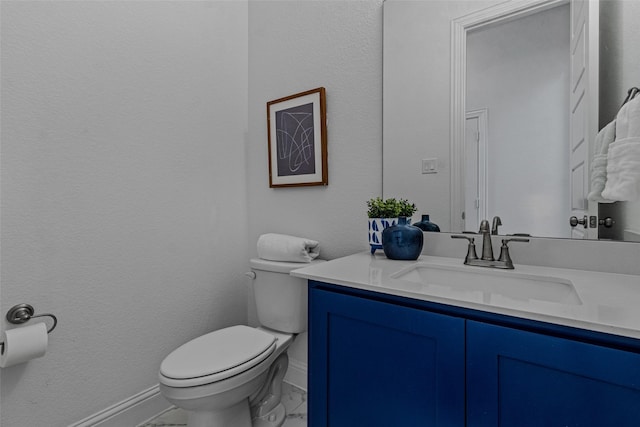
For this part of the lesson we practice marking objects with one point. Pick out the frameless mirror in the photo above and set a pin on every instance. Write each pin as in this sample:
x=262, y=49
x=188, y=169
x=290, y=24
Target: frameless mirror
x=490, y=108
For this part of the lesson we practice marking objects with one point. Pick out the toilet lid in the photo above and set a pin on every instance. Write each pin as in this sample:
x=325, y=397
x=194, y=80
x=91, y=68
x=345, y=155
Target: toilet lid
x=227, y=352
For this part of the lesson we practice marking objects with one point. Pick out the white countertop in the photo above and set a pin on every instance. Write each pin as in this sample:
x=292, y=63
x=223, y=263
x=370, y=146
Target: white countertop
x=608, y=302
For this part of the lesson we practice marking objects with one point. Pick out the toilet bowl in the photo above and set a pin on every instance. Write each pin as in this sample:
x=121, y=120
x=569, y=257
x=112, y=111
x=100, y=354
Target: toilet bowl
x=222, y=378
x=232, y=377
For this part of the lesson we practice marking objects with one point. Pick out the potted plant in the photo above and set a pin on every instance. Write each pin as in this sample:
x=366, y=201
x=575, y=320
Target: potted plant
x=406, y=209
x=383, y=214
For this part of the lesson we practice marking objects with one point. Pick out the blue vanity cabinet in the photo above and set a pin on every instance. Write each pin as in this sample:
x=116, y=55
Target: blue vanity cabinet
x=380, y=360
x=521, y=378
x=378, y=364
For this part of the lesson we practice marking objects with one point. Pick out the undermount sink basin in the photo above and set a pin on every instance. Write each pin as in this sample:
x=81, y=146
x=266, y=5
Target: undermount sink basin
x=492, y=284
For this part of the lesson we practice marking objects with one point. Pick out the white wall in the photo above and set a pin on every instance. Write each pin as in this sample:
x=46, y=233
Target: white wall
x=527, y=98
x=129, y=174
x=299, y=45
x=418, y=73
x=123, y=191
x=619, y=58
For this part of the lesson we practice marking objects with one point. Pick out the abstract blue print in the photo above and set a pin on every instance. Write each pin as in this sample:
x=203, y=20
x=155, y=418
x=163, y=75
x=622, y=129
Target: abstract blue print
x=295, y=141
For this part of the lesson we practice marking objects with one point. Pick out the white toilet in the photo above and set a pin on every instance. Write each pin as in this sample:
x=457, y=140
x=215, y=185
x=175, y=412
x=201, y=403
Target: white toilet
x=232, y=377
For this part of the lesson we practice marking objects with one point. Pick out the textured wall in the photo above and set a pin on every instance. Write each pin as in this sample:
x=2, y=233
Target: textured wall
x=299, y=45
x=128, y=172
x=123, y=191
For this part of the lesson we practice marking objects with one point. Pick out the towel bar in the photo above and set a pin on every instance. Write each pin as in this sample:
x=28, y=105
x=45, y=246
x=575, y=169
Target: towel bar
x=631, y=94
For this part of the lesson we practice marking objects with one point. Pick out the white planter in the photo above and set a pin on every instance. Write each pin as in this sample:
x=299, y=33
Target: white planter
x=376, y=226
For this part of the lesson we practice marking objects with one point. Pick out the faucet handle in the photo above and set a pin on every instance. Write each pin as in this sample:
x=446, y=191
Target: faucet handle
x=514, y=239
x=462, y=236
x=505, y=257
x=471, y=249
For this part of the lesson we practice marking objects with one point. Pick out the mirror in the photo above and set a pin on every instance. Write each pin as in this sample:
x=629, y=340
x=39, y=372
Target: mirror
x=421, y=92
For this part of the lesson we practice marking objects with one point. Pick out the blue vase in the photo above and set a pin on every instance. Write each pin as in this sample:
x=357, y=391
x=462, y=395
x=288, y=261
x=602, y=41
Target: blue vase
x=402, y=241
x=426, y=225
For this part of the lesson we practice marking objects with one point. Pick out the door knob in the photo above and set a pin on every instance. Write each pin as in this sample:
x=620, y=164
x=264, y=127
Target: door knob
x=607, y=222
x=573, y=221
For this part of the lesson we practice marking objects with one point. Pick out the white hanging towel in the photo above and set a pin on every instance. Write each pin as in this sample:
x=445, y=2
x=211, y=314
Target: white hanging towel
x=598, y=175
x=628, y=120
x=623, y=158
x=281, y=247
x=623, y=171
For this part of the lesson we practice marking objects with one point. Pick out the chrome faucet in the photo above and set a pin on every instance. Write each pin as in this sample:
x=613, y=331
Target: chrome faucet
x=487, y=247
x=504, y=261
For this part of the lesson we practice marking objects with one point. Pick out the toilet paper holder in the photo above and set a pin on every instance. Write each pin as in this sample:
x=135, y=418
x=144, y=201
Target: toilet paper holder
x=21, y=313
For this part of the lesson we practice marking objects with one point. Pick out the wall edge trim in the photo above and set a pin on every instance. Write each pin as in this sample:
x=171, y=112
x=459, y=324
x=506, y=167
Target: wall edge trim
x=297, y=374
x=132, y=411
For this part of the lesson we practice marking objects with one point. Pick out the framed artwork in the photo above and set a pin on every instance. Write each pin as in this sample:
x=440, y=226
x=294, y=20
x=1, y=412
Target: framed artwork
x=297, y=129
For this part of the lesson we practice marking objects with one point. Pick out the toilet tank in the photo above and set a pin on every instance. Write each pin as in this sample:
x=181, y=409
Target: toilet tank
x=281, y=299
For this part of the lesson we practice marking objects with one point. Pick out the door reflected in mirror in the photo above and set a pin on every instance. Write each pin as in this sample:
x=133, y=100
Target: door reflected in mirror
x=516, y=155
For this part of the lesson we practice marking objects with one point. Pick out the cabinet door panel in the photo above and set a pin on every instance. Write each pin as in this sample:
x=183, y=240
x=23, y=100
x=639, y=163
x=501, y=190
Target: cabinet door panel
x=377, y=364
x=518, y=378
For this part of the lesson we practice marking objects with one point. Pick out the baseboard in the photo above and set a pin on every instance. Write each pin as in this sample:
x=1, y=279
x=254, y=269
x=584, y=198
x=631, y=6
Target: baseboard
x=130, y=412
x=631, y=235
x=297, y=374
x=148, y=403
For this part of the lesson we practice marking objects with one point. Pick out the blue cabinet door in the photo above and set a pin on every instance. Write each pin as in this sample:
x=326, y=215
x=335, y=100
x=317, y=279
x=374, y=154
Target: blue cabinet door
x=519, y=378
x=378, y=364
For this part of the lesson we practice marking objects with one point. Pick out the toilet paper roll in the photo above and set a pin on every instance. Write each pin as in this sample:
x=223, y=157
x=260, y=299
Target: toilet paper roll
x=23, y=344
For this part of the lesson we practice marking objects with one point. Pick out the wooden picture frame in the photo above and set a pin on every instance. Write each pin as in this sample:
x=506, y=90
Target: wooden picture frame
x=297, y=130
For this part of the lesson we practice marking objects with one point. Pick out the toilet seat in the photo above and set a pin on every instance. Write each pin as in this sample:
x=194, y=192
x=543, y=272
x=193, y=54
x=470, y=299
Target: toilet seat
x=216, y=356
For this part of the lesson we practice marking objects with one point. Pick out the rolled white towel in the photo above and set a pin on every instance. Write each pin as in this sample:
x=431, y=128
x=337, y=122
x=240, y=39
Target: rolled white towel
x=281, y=247
x=623, y=171
x=598, y=172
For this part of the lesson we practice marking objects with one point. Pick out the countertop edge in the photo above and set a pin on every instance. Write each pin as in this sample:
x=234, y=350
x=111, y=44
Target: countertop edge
x=326, y=273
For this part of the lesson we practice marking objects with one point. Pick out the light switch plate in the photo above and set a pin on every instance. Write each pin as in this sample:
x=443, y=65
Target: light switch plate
x=430, y=165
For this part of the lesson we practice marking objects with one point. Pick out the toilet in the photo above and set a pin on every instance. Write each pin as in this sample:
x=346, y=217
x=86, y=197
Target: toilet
x=232, y=377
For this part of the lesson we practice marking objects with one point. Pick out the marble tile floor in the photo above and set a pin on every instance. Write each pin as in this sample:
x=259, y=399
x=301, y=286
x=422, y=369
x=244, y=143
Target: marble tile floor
x=294, y=400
